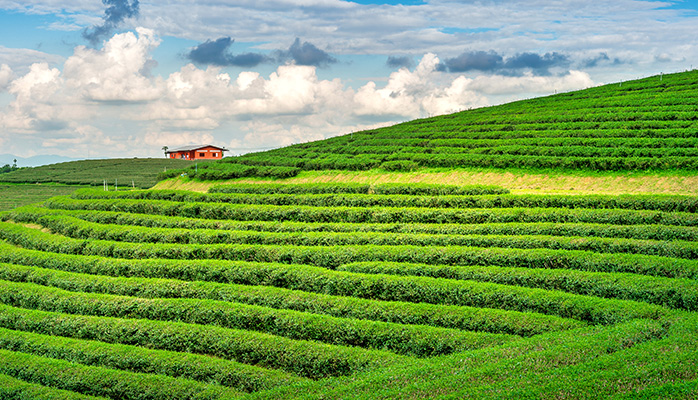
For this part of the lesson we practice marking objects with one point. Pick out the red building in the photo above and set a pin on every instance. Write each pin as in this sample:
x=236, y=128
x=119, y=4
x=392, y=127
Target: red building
x=200, y=152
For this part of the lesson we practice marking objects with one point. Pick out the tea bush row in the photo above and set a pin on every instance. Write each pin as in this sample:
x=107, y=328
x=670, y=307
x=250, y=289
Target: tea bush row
x=421, y=341
x=209, y=287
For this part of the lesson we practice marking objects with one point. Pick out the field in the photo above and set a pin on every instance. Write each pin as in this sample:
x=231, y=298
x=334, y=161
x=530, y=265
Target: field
x=349, y=291
x=126, y=172
x=16, y=195
x=544, y=249
x=647, y=124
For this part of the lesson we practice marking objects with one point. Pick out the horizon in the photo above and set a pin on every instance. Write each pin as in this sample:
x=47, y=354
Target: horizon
x=122, y=79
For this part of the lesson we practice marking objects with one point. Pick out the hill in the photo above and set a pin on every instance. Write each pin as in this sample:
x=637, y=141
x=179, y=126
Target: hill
x=126, y=172
x=344, y=291
x=647, y=124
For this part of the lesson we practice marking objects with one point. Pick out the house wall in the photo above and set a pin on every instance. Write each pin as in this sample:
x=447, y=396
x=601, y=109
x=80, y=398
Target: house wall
x=204, y=153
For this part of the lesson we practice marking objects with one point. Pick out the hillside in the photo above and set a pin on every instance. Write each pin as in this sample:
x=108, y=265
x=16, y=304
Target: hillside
x=647, y=124
x=344, y=291
x=126, y=172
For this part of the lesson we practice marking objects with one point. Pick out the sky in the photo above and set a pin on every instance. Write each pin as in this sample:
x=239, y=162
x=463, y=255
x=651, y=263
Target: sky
x=123, y=78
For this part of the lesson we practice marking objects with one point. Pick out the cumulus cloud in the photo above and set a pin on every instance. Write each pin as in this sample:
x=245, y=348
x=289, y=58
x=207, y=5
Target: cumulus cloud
x=117, y=11
x=305, y=54
x=109, y=98
x=216, y=53
x=6, y=75
x=119, y=72
x=415, y=93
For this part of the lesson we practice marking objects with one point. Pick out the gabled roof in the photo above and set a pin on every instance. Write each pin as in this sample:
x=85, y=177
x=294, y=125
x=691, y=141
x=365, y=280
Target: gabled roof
x=194, y=147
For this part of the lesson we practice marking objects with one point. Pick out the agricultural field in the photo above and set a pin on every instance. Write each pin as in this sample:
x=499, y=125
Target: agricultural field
x=279, y=291
x=646, y=124
x=125, y=172
x=17, y=195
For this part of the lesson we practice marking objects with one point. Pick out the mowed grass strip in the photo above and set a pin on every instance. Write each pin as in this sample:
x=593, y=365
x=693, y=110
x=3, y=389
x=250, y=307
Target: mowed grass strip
x=667, y=292
x=107, y=382
x=303, y=358
x=334, y=256
x=421, y=341
x=211, y=370
x=455, y=317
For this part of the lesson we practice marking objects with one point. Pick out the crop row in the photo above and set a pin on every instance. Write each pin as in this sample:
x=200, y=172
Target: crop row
x=648, y=232
x=667, y=292
x=13, y=388
x=357, y=188
x=430, y=290
x=421, y=341
x=334, y=256
x=162, y=286
x=303, y=358
x=196, y=367
x=669, y=203
x=100, y=381
x=385, y=215
x=362, y=162
x=79, y=229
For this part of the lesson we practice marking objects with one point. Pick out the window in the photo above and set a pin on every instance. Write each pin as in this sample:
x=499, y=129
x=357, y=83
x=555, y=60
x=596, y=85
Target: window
x=202, y=154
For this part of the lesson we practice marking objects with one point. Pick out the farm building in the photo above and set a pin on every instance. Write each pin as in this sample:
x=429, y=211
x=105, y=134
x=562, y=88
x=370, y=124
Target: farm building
x=197, y=152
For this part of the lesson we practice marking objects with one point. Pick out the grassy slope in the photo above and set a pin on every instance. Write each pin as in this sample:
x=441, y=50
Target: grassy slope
x=141, y=172
x=17, y=195
x=518, y=181
x=644, y=125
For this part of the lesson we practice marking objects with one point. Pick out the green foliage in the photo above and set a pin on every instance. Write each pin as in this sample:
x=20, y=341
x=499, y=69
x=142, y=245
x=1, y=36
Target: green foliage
x=219, y=275
x=606, y=128
x=350, y=291
x=124, y=173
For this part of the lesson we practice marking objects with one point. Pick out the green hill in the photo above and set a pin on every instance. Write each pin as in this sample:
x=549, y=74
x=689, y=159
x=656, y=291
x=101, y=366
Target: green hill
x=349, y=291
x=125, y=172
x=647, y=124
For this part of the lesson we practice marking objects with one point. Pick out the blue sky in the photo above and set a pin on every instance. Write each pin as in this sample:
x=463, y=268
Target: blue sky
x=122, y=78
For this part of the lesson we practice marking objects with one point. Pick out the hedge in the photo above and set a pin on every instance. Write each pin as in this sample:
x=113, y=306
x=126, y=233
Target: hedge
x=421, y=341
x=455, y=317
x=303, y=358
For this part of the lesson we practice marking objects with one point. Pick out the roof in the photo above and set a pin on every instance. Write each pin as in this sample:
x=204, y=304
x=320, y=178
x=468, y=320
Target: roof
x=194, y=147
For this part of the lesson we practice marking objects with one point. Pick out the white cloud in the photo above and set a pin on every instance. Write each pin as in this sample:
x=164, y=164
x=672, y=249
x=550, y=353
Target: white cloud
x=6, y=75
x=507, y=85
x=106, y=101
x=19, y=60
x=118, y=72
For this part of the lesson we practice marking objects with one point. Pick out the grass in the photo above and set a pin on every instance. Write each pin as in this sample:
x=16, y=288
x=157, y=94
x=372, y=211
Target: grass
x=125, y=172
x=518, y=181
x=17, y=195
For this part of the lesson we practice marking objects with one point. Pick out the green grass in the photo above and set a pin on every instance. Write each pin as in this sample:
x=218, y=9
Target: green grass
x=17, y=195
x=126, y=172
x=189, y=295
x=644, y=125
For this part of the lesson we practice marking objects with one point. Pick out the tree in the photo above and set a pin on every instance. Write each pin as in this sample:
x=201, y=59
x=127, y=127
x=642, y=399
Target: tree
x=164, y=148
x=14, y=163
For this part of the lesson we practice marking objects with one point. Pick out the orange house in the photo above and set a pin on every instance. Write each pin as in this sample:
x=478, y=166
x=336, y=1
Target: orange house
x=200, y=152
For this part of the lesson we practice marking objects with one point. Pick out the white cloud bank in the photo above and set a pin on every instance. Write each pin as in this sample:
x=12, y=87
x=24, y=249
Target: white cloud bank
x=108, y=101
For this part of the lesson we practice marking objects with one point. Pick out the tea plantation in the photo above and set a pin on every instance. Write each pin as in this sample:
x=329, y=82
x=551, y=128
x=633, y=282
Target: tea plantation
x=376, y=290
x=647, y=124
x=349, y=291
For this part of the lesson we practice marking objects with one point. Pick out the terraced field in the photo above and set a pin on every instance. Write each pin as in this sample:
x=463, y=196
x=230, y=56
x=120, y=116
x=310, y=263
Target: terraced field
x=646, y=124
x=349, y=291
